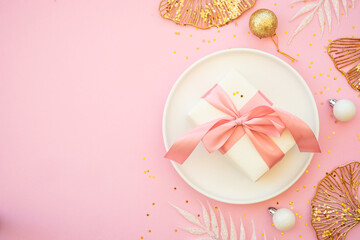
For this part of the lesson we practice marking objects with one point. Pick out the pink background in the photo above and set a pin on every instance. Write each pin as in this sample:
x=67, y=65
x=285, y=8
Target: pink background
x=83, y=84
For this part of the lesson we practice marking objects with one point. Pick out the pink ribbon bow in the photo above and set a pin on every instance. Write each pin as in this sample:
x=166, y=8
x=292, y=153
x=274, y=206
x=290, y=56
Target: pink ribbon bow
x=256, y=119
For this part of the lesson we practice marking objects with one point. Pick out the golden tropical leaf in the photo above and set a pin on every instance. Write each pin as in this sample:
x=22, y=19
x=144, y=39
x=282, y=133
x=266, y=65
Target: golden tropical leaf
x=345, y=53
x=203, y=13
x=335, y=207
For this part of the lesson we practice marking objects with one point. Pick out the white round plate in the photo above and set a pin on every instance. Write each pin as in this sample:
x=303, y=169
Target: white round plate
x=213, y=175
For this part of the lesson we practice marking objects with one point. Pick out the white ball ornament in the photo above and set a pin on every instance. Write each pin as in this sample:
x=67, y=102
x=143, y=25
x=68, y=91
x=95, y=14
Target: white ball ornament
x=344, y=110
x=283, y=218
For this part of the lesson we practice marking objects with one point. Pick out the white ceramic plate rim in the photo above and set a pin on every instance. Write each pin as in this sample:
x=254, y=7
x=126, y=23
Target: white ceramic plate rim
x=240, y=50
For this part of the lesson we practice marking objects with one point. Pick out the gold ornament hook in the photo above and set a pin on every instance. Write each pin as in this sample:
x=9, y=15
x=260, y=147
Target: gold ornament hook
x=275, y=39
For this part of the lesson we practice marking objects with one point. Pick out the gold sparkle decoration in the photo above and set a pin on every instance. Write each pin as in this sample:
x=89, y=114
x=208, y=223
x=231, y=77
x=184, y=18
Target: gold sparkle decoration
x=204, y=13
x=345, y=53
x=336, y=207
x=263, y=24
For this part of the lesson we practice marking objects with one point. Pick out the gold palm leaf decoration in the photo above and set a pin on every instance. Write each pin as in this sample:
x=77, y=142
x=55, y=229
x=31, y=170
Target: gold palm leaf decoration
x=345, y=53
x=203, y=13
x=335, y=207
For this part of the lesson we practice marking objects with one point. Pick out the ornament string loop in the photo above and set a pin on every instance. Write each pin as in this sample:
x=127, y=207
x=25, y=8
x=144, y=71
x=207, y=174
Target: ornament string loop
x=275, y=39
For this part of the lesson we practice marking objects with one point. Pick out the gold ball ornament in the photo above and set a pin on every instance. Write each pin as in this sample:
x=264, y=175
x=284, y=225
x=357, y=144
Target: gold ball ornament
x=263, y=23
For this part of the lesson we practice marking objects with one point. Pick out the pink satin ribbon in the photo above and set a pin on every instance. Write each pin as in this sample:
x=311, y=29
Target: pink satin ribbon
x=257, y=119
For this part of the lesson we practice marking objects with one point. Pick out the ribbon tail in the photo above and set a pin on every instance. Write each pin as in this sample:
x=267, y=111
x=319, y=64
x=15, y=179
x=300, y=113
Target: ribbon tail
x=186, y=144
x=301, y=132
x=268, y=150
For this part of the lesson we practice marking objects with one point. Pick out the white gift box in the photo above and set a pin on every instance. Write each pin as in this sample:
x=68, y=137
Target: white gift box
x=243, y=152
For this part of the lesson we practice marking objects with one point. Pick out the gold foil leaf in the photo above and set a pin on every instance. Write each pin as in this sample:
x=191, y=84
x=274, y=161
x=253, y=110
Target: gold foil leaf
x=203, y=13
x=345, y=53
x=335, y=207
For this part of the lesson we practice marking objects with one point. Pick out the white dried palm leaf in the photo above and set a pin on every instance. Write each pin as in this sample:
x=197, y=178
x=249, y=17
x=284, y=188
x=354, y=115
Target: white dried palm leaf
x=242, y=231
x=303, y=24
x=319, y=7
x=193, y=230
x=335, y=4
x=224, y=231
x=344, y=2
x=303, y=10
x=213, y=234
x=206, y=217
x=188, y=216
x=328, y=13
x=254, y=234
x=233, y=235
x=321, y=20
x=214, y=224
